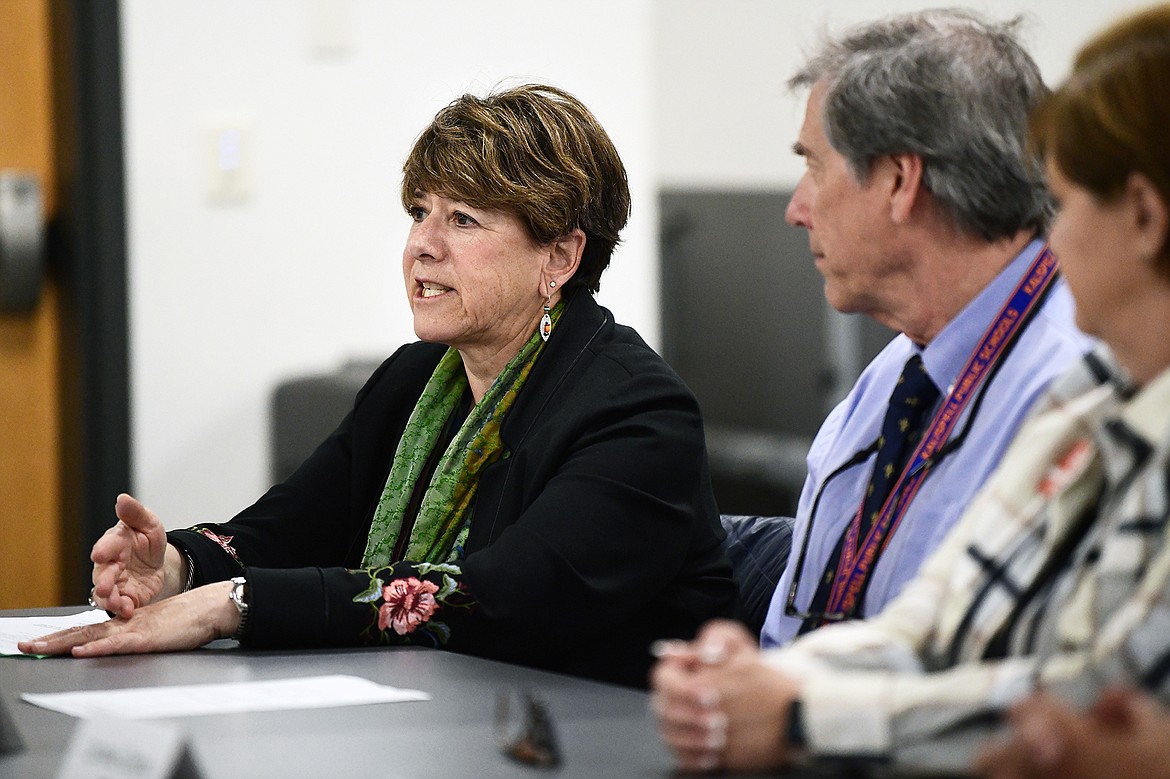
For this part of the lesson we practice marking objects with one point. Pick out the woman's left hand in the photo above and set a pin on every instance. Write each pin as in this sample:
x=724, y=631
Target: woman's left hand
x=1126, y=733
x=185, y=621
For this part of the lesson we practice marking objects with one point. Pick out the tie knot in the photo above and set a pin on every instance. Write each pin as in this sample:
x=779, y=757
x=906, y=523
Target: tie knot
x=914, y=389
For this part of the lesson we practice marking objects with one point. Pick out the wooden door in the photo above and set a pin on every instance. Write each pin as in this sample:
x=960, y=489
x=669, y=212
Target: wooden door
x=31, y=545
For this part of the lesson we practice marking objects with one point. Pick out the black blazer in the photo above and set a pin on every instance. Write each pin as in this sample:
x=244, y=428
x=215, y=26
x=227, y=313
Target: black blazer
x=593, y=535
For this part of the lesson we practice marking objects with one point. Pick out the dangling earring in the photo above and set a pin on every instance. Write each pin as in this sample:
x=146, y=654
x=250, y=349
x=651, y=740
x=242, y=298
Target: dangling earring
x=546, y=320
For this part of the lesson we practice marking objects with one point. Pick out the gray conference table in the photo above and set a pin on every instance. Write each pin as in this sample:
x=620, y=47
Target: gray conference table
x=603, y=730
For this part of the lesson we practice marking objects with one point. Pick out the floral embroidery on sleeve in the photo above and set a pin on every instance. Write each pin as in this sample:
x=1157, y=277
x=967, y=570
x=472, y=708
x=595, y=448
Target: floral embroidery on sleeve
x=404, y=606
x=225, y=542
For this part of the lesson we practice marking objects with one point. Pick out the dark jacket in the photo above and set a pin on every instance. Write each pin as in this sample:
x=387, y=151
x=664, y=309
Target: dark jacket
x=593, y=535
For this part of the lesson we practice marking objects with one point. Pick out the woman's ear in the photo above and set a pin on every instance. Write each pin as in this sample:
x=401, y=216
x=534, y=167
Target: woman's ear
x=1151, y=215
x=564, y=256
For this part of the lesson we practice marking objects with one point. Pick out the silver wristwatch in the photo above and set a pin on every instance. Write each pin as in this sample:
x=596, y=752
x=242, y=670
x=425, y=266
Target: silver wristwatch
x=239, y=597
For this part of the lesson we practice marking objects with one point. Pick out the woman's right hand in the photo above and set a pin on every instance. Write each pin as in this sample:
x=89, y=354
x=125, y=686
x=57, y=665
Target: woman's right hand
x=131, y=559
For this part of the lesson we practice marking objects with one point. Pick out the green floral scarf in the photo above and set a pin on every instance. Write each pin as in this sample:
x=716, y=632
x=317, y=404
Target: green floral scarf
x=440, y=531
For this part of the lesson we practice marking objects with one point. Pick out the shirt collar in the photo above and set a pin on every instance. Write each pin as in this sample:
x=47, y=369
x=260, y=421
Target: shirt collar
x=947, y=354
x=1147, y=413
x=1129, y=424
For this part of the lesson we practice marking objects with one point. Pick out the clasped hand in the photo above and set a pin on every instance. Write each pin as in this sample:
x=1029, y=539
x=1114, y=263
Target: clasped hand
x=1125, y=733
x=718, y=705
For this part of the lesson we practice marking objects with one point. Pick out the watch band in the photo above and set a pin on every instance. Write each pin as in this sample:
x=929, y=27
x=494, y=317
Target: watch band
x=797, y=736
x=239, y=598
x=190, y=570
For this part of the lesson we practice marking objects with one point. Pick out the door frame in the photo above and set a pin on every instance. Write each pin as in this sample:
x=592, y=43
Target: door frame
x=87, y=251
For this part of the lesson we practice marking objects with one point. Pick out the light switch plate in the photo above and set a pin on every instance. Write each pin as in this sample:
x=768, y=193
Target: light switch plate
x=227, y=148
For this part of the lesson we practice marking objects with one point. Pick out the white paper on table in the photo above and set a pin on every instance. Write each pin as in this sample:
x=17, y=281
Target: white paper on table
x=313, y=692
x=13, y=629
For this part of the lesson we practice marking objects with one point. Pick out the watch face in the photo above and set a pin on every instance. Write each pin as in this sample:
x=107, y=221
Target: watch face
x=238, y=593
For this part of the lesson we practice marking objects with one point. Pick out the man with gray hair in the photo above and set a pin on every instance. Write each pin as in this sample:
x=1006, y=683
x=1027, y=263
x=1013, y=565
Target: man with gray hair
x=925, y=211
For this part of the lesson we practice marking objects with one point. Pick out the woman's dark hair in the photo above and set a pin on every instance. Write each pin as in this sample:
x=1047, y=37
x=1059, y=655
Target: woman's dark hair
x=1110, y=118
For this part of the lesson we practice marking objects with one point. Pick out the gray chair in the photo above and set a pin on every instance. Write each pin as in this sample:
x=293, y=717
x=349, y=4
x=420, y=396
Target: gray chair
x=758, y=548
x=306, y=409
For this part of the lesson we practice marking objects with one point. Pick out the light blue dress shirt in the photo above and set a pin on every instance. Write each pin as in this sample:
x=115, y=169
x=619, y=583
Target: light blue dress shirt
x=1048, y=345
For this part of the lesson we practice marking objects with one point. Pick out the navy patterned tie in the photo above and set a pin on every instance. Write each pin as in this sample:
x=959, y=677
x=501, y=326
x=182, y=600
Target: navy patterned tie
x=913, y=396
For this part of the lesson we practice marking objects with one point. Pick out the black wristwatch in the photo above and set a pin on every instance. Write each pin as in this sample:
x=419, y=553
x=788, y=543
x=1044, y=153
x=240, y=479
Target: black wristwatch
x=797, y=737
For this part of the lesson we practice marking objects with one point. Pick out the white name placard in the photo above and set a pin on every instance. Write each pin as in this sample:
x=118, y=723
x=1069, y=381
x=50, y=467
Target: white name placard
x=109, y=748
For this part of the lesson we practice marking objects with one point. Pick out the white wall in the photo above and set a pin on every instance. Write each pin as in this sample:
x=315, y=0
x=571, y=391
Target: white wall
x=724, y=117
x=228, y=299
